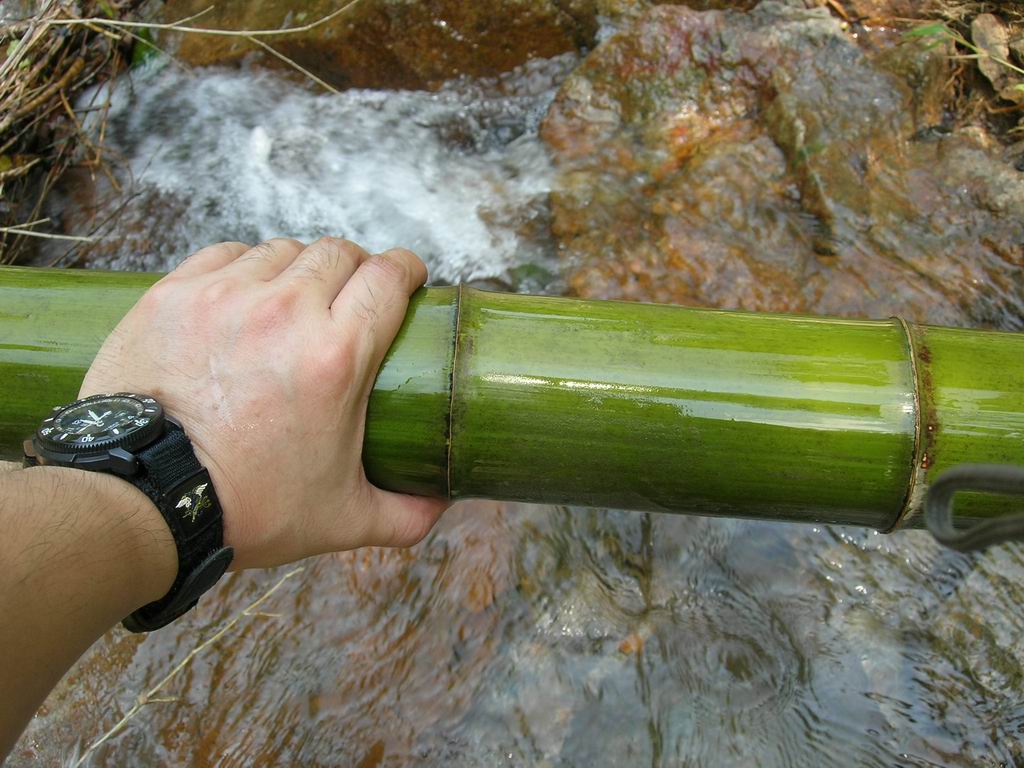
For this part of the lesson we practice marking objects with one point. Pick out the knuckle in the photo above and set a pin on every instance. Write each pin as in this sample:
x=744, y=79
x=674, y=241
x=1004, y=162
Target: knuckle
x=307, y=268
x=287, y=242
x=339, y=245
x=159, y=293
x=270, y=250
x=334, y=366
x=230, y=246
x=326, y=259
x=279, y=306
x=186, y=263
x=326, y=255
x=405, y=255
x=367, y=310
x=216, y=292
x=391, y=266
x=327, y=243
x=260, y=252
x=271, y=314
x=333, y=253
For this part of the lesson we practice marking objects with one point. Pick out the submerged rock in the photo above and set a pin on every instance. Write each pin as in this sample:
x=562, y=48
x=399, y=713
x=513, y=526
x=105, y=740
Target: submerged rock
x=393, y=43
x=764, y=161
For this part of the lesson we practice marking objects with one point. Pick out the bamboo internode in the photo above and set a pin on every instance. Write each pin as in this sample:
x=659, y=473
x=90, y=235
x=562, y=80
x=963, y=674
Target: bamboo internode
x=613, y=404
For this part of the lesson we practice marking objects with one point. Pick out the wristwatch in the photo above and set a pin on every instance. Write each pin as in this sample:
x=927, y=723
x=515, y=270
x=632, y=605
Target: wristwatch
x=130, y=436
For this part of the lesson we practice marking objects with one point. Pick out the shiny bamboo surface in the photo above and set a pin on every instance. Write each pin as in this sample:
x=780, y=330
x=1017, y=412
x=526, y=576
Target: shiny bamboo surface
x=614, y=404
x=640, y=406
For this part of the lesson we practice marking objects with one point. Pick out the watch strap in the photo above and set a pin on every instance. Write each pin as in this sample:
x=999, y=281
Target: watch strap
x=172, y=477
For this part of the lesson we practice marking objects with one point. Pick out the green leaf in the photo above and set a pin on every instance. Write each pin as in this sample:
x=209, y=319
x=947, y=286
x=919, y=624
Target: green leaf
x=12, y=48
x=106, y=9
x=142, y=51
x=938, y=29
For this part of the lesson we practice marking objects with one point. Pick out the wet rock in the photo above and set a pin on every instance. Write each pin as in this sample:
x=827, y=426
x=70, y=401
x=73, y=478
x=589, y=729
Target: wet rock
x=613, y=14
x=881, y=10
x=393, y=43
x=764, y=161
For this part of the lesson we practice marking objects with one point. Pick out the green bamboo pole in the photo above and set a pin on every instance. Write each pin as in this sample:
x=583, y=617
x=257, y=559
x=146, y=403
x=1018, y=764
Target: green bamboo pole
x=613, y=404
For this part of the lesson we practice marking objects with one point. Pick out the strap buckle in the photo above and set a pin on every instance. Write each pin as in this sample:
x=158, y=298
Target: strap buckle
x=1006, y=479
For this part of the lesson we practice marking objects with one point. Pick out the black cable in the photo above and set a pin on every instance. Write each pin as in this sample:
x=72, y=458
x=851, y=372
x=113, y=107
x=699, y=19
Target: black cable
x=989, y=478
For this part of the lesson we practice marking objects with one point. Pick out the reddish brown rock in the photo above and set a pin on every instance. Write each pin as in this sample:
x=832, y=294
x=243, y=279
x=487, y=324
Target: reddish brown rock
x=882, y=10
x=392, y=43
x=763, y=161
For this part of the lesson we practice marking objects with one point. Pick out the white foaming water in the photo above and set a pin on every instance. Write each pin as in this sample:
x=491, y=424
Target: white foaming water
x=459, y=176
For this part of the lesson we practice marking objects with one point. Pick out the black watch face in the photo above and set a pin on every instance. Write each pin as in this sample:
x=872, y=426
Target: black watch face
x=102, y=422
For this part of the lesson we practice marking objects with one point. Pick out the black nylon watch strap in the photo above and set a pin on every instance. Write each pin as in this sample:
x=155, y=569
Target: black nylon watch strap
x=171, y=475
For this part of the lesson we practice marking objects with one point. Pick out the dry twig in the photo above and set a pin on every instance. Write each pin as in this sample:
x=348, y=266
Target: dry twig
x=23, y=230
x=40, y=75
x=150, y=696
x=293, y=64
x=181, y=26
x=50, y=58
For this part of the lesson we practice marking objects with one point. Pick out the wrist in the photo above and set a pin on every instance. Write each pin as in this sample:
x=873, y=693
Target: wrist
x=129, y=436
x=80, y=551
x=111, y=520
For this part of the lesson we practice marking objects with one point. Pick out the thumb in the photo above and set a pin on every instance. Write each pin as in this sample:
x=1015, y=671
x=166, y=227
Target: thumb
x=401, y=520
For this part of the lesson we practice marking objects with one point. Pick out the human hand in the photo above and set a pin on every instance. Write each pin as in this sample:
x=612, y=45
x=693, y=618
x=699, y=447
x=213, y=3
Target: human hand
x=267, y=356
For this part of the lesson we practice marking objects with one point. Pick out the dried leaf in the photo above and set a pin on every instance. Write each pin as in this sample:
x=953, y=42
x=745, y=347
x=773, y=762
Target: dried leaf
x=1014, y=93
x=990, y=35
x=1017, y=47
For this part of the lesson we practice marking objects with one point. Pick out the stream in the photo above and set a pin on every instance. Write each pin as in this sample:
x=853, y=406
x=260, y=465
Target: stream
x=558, y=636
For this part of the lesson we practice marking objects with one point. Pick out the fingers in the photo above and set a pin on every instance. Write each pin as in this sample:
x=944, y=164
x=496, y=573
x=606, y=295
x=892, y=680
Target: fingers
x=210, y=258
x=377, y=296
x=267, y=260
x=399, y=520
x=326, y=266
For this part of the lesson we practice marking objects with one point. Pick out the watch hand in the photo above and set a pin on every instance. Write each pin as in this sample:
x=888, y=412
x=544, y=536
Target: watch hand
x=94, y=416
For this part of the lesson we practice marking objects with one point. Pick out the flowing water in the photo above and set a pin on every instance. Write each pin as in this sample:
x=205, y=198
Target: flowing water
x=458, y=176
x=515, y=634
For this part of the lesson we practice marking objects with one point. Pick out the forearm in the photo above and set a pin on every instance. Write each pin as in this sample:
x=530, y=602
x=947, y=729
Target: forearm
x=79, y=551
x=256, y=352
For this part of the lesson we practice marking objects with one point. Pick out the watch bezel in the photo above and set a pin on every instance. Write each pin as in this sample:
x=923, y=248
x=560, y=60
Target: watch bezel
x=112, y=453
